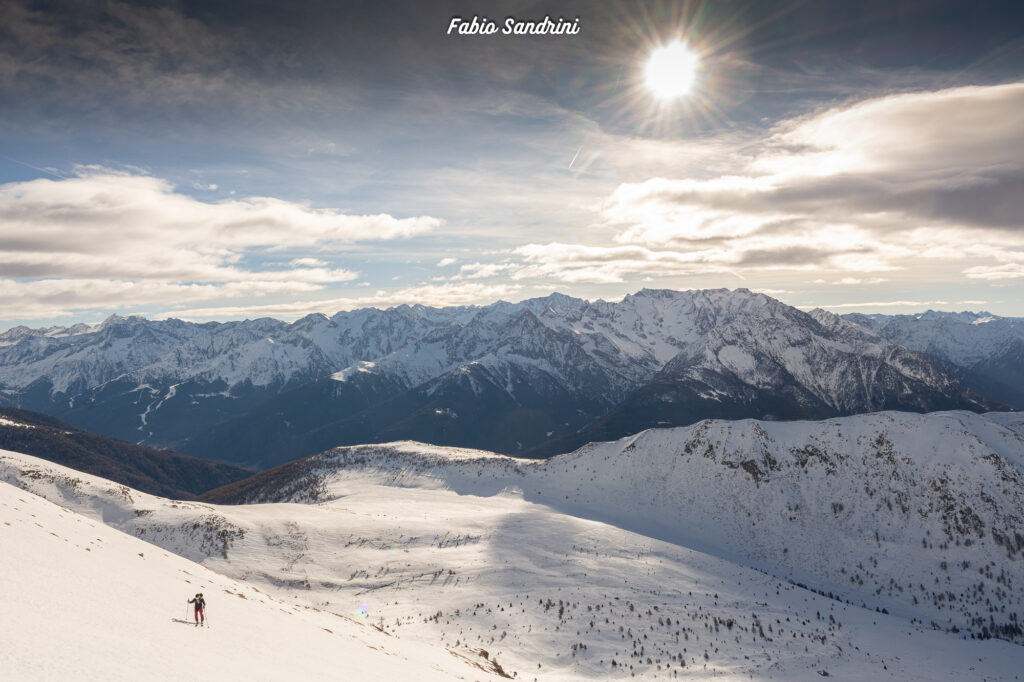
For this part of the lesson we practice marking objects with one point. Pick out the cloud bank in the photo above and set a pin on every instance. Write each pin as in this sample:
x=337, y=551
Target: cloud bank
x=893, y=183
x=104, y=238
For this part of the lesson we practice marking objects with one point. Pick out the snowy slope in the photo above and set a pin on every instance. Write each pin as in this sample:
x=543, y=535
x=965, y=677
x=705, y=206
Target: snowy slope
x=763, y=359
x=964, y=338
x=261, y=352
x=553, y=567
x=919, y=514
x=989, y=347
x=86, y=602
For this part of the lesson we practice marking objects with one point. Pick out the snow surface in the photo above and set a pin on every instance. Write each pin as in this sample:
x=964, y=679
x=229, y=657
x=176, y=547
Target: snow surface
x=557, y=568
x=10, y=422
x=84, y=601
x=964, y=338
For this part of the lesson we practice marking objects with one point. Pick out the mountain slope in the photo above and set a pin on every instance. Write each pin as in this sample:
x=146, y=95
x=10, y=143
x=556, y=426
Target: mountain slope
x=988, y=349
x=472, y=550
x=772, y=361
x=890, y=510
x=528, y=380
x=277, y=430
x=86, y=602
x=154, y=471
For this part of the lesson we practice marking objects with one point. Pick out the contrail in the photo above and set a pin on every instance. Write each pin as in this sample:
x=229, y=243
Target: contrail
x=733, y=272
x=42, y=170
x=575, y=157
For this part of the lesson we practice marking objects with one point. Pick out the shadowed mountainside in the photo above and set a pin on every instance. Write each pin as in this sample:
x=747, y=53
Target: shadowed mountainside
x=158, y=472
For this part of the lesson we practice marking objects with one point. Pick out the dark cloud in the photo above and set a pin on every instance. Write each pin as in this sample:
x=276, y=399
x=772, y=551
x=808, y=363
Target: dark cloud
x=793, y=256
x=367, y=107
x=248, y=56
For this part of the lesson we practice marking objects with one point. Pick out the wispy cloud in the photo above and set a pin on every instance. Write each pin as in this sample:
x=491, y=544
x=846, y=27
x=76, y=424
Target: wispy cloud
x=877, y=304
x=307, y=263
x=888, y=166
x=1002, y=271
x=857, y=281
x=869, y=305
x=434, y=295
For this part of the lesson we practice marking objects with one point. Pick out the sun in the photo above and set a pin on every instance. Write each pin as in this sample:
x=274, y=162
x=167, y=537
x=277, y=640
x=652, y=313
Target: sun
x=671, y=71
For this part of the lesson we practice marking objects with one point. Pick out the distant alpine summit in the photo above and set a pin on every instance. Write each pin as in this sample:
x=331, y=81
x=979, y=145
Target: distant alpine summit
x=537, y=377
x=986, y=351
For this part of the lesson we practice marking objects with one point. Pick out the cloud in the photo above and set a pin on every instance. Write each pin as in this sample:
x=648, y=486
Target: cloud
x=578, y=263
x=104, y=238
x=865, y=187
x=307, y=263
x=836, y=247
x=849, y=193
x=434, y=295
x=90, y=56
x=878, y=304
x=444, y=262
x=1003, y=271
x=892, y=304
x=482, y=270
x=98, y=210
x=598, y=264
x=50, y=298
x=947, y=138
x=854, y=281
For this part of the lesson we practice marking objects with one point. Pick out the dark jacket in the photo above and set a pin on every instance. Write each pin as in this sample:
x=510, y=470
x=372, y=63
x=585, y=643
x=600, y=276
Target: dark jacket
x=198, y=601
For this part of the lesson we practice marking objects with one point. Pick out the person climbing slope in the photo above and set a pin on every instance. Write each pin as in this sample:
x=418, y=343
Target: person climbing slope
x=200, y=606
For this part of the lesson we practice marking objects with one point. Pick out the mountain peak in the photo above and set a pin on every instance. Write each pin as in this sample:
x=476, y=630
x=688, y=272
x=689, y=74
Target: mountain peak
x=310, y=321
x=115, y=320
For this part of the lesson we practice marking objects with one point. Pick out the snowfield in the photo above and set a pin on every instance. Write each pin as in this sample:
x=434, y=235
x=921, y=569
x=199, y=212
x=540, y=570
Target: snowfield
x=672, y=554
x=84, y=601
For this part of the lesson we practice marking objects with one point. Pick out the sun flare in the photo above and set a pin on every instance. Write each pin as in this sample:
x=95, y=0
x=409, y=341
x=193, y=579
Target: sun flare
x=671, y=71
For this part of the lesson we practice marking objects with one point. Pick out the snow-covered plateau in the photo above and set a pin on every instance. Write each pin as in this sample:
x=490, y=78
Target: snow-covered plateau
x=881, y=546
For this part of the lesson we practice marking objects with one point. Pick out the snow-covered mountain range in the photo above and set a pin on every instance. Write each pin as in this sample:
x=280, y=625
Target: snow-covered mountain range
x=989, y=347
x=541, y=376
x=886, y=545
x=160, y=382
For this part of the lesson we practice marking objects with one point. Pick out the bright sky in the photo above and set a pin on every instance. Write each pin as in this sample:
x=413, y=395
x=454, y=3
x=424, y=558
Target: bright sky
x=222, y=160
